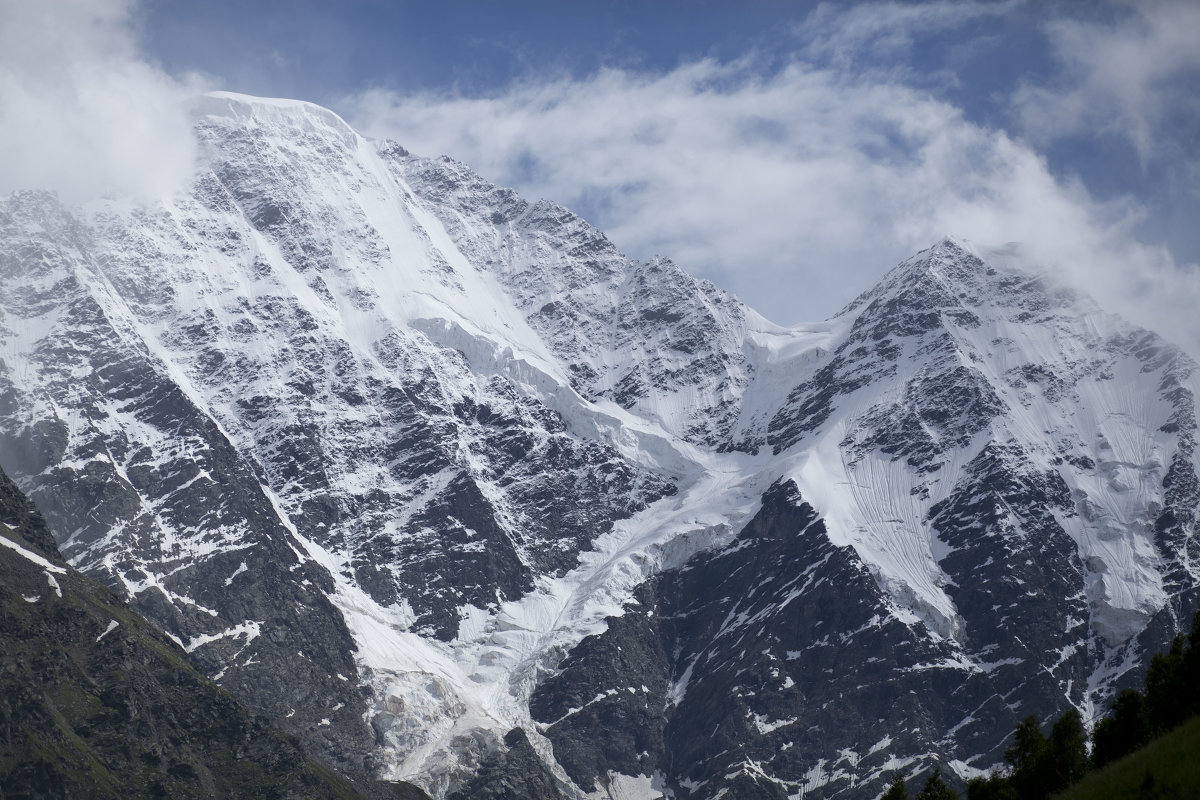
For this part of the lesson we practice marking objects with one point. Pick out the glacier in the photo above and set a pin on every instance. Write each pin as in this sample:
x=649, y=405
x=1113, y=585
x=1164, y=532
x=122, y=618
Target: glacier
x=390, y=448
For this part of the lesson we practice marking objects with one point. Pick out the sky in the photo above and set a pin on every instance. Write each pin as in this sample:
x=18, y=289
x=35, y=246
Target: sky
x=791, y=152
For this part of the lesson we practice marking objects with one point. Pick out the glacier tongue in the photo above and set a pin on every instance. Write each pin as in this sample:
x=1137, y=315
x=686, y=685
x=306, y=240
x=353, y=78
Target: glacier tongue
x=486, y=675
x=411, y=462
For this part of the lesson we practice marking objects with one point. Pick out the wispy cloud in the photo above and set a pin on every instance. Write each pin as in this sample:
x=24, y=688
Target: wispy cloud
x=794, y=188
x=856, y=35
x=81, y=112
x=794, y=182
x=1127, y=77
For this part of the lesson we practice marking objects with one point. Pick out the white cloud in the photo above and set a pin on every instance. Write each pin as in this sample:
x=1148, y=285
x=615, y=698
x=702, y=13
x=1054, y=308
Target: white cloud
x=1126, y=78
x=796, y=190
x=843, y=34
x=795, y=187
x=81, y=112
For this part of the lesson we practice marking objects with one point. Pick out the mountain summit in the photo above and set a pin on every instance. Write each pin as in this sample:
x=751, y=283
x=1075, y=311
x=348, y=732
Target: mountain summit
x=441, y=482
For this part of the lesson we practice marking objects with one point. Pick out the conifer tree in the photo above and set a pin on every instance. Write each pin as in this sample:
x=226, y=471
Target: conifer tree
x=1165, y=689
x=896, y=790
x=993, y=787
x=1125, y=729
x=936, y=789
x=1067, y=751
x=1040, y=767
x=1028, y=757
x=1191, y=670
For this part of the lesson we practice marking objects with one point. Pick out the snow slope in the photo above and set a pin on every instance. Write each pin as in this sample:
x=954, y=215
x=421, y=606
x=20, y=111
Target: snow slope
x=344, y=418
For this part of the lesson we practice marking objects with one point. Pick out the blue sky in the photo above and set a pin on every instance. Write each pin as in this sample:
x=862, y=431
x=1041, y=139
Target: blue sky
x=789, y=151
x=324, y=49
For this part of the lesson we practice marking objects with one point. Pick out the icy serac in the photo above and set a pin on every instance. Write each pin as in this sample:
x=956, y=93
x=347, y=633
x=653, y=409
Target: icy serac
x=437, y=478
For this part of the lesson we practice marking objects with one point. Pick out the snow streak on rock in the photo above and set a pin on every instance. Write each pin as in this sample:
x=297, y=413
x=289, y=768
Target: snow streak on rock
x=434, y=475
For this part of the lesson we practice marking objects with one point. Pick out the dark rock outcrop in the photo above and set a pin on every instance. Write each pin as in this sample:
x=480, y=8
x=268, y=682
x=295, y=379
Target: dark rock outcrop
x=95, y=702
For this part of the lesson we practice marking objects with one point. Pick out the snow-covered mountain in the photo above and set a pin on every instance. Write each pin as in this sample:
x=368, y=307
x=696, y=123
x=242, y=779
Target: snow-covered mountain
x=442, y=482
x=97, y=702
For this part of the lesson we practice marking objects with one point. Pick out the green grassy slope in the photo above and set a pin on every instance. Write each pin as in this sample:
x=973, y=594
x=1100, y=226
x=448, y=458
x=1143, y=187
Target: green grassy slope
x=1167, y=768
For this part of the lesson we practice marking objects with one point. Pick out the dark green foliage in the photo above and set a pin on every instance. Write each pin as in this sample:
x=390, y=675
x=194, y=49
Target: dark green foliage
x=1043, y=766
x=1068, y=751
x=936, y=789
x=896, y=790
x=1125, y=729
x=990, y=788
x=1147, y=783
x=1172, y=696
x=1029, y=758
x=1040, y=766
x=1191, y=668
x=1170, y=761
x=1166, y=691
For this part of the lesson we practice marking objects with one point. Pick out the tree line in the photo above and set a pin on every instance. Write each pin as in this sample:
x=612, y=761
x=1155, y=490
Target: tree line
x=1040, y=765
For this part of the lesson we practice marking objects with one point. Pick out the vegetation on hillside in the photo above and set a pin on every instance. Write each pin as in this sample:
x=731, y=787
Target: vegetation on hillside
x=1168, y=768
x=1138, y=748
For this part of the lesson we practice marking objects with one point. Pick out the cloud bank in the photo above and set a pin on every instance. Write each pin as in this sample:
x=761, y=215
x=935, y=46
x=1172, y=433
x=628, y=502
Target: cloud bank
x=81, y=112
x=1128, y=79
x=795, y=186
x=792, y=180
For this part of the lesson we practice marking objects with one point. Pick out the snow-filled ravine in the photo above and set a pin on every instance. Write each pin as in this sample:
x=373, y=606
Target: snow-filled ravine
x=408, y=462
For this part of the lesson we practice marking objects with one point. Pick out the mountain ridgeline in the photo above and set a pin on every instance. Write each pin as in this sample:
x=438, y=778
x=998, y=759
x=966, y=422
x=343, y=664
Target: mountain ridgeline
x=440, y=482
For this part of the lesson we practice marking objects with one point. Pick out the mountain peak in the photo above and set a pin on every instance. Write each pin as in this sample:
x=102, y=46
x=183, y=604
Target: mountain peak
x=412, y=463
x=292, y=114
x=948, y=261
x=955, y=274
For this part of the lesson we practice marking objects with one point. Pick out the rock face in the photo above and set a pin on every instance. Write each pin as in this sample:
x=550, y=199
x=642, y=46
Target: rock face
x=440, y=481
x=98, y=703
